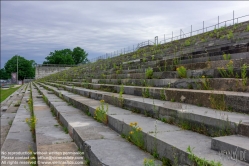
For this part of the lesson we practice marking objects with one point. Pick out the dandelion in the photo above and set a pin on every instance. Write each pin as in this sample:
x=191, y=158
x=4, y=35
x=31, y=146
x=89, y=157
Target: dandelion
x=131, y=124
x=203, y=76
x=135, y=123
x=131, y=132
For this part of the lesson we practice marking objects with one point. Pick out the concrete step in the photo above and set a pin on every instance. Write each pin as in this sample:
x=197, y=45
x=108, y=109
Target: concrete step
x=93, y=138
x=221, y=100
x=168, y=140
x=18, y=142
x=13, y=97
x=173, y=74
x=8, y=113
x=234, y=146
x=210, y=121
x=223, y=84
x=51, y=140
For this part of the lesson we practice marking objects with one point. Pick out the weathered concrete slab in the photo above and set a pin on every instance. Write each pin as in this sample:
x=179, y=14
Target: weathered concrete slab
x=96, y=139
x=167, y=139
x=51, y=140
x=234, y=146
x=19, y=138
x=212, y=119
x=57, y=153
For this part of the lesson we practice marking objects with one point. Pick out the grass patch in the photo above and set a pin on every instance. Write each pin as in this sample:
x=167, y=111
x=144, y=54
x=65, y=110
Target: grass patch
x=7, y=92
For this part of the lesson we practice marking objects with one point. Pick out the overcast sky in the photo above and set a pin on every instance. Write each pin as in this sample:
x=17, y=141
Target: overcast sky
x=34, y=29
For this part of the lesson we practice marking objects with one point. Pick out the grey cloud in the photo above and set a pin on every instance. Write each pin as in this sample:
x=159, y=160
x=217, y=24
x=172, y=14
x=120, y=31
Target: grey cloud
x=33, y=29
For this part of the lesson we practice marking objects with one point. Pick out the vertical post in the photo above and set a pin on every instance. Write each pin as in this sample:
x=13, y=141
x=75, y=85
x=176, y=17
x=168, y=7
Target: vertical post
x=191, y=31
x=156, y=40
x=17, y=70
x=180, y=33
x=164, y=38
x=124, y=50
x=133, y=48
x=218, y=22
x=233, y=17
x=148, y=42
x=172, y=36
x=203, y=26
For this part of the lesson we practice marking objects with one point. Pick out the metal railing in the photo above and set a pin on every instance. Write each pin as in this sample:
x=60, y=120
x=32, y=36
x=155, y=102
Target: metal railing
x=55, y=65
x=172, y=38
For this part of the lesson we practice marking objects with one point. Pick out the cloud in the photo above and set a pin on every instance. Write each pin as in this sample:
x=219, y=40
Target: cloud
x=32, y=29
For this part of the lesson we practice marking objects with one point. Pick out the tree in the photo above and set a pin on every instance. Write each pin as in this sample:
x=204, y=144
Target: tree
x=25, y=68
x=79, y=55
x=3, y=74
x=60, y=57
x=66, y=56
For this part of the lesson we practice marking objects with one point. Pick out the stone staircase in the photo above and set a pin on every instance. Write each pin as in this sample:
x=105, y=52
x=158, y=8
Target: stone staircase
x=181, y=103
x=206, y=109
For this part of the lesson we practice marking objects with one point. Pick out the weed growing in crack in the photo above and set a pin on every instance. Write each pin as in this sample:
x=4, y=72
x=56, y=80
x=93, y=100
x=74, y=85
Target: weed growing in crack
x=150, y=162
x=33, y=157
x=226, y=56
x=217, y=101
x=162, y=94
x=206, y=84
x=100, y=113
x=149, y=73
x=182, y=71
x=155, y=153
x=243, y=74
x=65, y=129
x=200, y=161
x=146, y=92
x=31, y=123
x=120, y=98
x=227, y=73
x=136, y=135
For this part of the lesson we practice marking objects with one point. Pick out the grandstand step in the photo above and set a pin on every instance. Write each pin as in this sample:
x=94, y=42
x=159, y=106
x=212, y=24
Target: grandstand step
x=234, y=146
x=222, y=100
x=170, y=141
x=94, y=138
x=212, y=121
x=51, y=140
x=19, y=139
x=223, y=84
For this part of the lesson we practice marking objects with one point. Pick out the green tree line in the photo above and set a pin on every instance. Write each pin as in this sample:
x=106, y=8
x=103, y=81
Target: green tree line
x=26, y=68
x=67, y=56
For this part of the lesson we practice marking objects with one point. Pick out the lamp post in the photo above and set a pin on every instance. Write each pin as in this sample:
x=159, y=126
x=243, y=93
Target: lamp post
x=17, y=70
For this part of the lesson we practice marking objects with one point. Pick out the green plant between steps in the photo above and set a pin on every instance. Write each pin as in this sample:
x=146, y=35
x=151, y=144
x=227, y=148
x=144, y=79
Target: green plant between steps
x=100, y=113
x=217, y=101
x=120, y=98
x=136, y=135
x=200, y=161
x=149, y=162
x=162, y=94
x=146, y=92
x=226, y=56
x=243, y=74
x=149, y=73
x=247, y=28
x=182, y=71
x=227, y=73
x=176, y=61
x=32, y=159
x=31, y=123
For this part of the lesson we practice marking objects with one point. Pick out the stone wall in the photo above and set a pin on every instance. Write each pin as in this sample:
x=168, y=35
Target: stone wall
x=45, y=70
